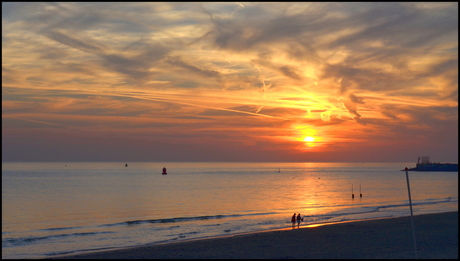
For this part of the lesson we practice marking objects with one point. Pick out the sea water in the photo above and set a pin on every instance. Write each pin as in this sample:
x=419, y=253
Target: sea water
x=51, y=209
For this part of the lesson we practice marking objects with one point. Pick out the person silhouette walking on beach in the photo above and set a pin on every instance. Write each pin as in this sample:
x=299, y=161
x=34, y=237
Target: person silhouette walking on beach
x=298, y=220
x=293, y=220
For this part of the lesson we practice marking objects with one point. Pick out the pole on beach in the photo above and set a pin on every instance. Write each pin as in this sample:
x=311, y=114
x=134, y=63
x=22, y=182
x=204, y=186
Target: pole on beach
x=411, y=214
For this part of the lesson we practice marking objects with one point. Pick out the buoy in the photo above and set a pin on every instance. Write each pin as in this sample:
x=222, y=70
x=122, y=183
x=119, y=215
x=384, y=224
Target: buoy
x=126, y=165
x=360, y=195
x=352, y=195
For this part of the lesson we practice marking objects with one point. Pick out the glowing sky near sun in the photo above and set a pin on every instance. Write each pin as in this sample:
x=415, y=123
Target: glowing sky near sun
x=229, y=81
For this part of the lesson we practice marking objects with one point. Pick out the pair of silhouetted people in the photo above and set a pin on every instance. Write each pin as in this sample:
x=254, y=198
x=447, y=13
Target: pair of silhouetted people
x=294, y=219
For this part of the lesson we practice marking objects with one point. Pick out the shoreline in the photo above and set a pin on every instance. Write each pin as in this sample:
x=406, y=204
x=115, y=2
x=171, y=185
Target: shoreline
x=436, y=237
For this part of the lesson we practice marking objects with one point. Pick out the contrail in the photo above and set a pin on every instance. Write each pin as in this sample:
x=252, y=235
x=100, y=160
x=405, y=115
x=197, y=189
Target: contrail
x=42, y=122
x=199, y=105
x=169, y=101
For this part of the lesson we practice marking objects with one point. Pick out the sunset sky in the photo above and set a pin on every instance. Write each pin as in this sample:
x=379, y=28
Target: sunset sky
x=230, y=81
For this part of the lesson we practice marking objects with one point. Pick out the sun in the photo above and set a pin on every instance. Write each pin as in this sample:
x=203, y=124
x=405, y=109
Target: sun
x=310, y=141
x=307, y=135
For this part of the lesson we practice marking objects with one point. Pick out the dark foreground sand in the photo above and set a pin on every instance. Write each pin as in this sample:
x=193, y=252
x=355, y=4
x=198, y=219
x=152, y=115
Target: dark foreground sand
x=436, y=235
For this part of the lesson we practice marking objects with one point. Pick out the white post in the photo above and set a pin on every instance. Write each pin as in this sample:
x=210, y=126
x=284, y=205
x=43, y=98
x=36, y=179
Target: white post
x=411, y=214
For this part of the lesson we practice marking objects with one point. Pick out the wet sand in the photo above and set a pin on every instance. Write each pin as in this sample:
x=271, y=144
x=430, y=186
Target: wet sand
x=436, y=238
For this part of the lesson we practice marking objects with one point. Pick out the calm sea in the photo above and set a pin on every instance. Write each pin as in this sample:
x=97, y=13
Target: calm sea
x=58, y=208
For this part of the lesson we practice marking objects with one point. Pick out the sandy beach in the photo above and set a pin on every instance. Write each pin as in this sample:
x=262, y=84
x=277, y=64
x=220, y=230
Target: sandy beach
x=436, y=238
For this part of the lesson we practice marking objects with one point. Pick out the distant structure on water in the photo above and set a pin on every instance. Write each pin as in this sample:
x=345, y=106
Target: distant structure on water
x=164, y=171
x=426, y=165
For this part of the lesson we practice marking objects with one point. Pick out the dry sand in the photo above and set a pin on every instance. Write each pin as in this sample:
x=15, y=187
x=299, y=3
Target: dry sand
x=436, y=238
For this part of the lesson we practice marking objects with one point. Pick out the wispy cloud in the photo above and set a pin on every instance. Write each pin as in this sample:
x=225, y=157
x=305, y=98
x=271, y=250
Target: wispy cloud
x=345, y=69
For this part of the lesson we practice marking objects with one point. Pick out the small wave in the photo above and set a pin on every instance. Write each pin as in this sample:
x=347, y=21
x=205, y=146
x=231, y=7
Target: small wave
x=21, y=241
x=76, y=251
x=182, y=235
x=7, y=242
x=180, y=219
x=267, y=222
x=186, y=219
x=59, y=228
x=418, y=203
x=212, y=225
x=371, y=209
x=59, y=253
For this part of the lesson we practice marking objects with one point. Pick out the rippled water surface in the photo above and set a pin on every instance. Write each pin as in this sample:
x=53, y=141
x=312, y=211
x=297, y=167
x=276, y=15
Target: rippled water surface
x=58, y=208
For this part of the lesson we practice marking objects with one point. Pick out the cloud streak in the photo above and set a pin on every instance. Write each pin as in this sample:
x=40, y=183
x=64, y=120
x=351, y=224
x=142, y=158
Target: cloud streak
x=249, y=72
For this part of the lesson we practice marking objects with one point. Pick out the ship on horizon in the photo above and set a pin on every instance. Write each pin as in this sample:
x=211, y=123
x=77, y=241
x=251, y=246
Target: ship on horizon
x=426, y=165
